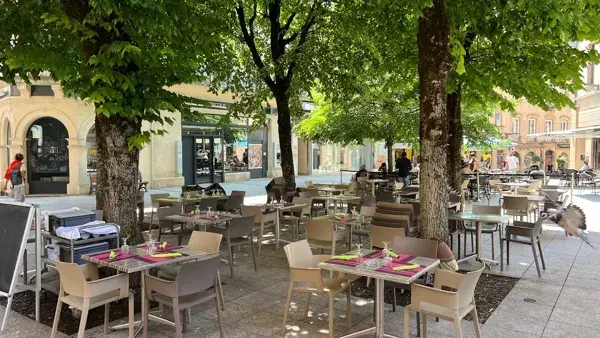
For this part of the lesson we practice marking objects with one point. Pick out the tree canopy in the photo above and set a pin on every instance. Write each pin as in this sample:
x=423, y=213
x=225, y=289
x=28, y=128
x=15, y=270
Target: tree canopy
x=121, y=57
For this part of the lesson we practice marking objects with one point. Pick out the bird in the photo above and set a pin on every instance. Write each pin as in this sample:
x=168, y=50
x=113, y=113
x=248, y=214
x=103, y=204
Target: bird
x=571, y=218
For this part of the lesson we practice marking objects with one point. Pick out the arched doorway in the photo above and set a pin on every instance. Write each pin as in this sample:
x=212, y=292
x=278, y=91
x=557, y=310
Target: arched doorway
x=549, y=158
x=47, y=157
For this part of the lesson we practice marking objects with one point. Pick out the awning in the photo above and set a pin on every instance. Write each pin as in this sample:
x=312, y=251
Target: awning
x=587, y=132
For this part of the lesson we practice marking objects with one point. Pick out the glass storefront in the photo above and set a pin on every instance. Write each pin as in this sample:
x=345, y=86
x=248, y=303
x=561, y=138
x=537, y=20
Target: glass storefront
x=219, y=150
x=47, y=157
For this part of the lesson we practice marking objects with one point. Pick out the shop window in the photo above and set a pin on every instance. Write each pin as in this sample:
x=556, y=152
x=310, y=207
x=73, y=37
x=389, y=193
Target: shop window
x=236, y=149
x=41, y=91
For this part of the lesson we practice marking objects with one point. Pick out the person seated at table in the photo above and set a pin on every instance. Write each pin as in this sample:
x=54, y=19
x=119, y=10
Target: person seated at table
x=585, y=167
x=383, y=168
x=361, y=172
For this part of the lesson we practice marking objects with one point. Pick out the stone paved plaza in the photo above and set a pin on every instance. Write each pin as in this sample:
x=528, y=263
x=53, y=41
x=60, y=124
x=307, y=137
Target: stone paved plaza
x=566, y=296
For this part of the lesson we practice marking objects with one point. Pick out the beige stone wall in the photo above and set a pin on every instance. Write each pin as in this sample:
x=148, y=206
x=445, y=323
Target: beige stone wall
x=17, y=113
x=525, y=144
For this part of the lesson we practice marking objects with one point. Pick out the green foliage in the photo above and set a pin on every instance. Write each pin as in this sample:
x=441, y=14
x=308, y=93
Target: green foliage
x=120, y=56
x=521, y=48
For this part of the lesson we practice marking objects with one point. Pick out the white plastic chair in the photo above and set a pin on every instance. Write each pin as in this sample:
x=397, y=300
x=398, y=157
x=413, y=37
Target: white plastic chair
x=449, y=305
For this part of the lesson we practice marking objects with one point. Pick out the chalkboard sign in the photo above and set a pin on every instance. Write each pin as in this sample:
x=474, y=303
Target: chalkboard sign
x=15, y=219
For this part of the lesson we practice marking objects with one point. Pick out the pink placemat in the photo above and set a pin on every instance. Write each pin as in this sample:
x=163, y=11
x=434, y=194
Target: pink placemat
x=351, y=262
x=403, y=258
x=120, y=256
x=169, y=247
x=150, y=259
x=389, y=268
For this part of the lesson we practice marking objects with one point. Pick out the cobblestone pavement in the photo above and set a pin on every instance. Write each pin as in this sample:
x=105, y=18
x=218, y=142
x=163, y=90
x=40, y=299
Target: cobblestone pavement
x=566, y=296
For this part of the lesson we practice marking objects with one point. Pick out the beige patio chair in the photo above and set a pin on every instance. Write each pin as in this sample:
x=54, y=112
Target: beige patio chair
x=449, y=305
x=364, y=230
x=323, y=234
x=261, y=221
x=306, y=277
x=193, y=285
x=417, y=247
x=485, y=228
x=81, y=288
x=164, y=223
x=516, y=206
x=380, y=234
x=524, y=233
x=237, y=232
x=208, y=242
x=298, y=215
x=154, y=205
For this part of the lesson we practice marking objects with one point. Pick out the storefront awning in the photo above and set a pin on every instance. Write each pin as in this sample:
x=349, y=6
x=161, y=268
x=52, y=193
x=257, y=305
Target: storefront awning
x=587, y=132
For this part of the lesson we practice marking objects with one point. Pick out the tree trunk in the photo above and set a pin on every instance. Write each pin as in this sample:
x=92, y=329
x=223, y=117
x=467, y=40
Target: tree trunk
x=390, y=154
x=434, y=64
x=101, y=176
x=455, y=139
x=284, y=124
x=118, y=170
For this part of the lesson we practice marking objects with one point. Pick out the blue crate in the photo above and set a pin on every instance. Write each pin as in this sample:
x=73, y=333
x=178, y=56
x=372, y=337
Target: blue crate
x=86, y=249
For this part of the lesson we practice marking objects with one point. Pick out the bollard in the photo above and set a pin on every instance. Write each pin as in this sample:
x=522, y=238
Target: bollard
x=572, y=186
x=478, y=186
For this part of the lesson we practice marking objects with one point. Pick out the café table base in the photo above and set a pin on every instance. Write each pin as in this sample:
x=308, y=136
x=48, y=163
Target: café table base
x=379, y=316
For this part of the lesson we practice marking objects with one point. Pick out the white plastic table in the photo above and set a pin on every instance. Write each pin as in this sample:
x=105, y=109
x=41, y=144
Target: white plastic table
x=367, y=270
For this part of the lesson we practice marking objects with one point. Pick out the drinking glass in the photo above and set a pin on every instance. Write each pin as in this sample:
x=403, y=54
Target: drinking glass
x=209, y=212
x=386, y=252
x=125, y=247
x=359, y=252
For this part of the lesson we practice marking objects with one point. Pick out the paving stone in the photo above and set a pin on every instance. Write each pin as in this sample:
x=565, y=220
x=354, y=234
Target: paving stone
x=262, y=323
x=578, y=299
x=517, y=322
x=560, y=330
x=259, y=300
x=233, y=312
x=535, y=310
x=589, y=317
x=543, y=293
x=491, y=331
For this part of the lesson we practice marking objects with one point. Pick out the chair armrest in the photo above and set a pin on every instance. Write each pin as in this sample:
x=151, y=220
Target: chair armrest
x=448, y=279
x=307, y=275
x=90, y=271
x=109, y=284
x=161, y=286
x=441, y=298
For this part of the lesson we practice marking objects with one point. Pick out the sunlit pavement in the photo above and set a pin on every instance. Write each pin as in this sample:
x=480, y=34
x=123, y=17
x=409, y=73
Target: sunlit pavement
x=565, y=297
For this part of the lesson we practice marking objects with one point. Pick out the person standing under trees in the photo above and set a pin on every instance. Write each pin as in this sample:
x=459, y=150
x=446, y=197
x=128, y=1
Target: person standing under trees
x=403, y=166
x=16, y=175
